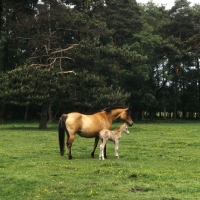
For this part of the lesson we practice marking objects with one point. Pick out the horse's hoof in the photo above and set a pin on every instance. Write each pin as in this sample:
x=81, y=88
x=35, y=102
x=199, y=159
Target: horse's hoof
x=92, y=155
x=69, y=157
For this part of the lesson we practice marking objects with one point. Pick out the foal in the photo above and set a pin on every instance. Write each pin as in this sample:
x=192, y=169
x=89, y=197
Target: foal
x=112, y=135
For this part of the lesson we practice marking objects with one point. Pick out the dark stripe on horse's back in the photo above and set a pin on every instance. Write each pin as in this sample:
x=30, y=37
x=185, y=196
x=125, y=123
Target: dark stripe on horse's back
x=108, y=109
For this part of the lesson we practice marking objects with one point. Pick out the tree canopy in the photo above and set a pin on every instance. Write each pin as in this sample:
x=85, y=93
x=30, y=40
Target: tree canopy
x=86, y=55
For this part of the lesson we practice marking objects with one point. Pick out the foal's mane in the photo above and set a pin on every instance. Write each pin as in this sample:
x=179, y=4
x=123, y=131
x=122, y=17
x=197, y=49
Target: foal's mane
x=109, y=109
x=120, y=126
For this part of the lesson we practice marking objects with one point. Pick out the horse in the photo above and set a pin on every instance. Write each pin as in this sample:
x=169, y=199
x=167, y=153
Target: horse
x=89, y=126
x=112, y=135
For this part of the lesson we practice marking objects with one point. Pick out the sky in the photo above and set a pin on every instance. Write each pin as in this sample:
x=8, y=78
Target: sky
x=167, y=3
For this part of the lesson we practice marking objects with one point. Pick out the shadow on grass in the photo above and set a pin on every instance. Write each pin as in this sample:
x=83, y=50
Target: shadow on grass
x=12, y=126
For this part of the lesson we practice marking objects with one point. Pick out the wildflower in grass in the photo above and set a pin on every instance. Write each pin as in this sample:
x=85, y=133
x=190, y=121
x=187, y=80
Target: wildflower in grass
x=46, y=191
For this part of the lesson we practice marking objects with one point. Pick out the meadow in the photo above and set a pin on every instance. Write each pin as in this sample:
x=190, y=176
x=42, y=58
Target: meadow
x=158, y=160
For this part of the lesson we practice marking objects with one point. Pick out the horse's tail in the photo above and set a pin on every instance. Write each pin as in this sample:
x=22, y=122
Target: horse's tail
x=61, y=133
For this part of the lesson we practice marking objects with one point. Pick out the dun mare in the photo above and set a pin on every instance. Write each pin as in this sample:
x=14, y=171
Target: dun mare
x=89, y=126
x=112, y=135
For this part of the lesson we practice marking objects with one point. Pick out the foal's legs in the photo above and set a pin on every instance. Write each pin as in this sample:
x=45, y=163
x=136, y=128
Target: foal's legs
x=116, y=148
x=95, y=146
x=102, y=146
x=101, y=154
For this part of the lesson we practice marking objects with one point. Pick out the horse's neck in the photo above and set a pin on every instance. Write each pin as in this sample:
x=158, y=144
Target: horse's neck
x=115, y=114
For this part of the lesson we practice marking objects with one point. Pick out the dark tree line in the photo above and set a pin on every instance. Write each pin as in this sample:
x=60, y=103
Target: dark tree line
x=62, y=56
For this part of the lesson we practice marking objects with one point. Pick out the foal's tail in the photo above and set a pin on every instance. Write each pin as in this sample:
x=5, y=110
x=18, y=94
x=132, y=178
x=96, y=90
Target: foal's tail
x=61, y=133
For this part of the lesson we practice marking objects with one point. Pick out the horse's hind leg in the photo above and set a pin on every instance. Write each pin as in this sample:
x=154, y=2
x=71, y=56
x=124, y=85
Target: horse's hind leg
x=95, y=146
x=70, y=140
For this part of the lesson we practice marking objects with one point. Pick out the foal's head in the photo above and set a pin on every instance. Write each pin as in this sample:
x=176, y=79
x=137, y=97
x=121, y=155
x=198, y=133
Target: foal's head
x=124, y=129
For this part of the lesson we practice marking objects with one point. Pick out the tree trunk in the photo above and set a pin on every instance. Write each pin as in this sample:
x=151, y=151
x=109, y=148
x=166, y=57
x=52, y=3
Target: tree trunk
x=43, y=117
x=153, y=113
x=175, y=92
x=174, y=112
x=2, y=113
x=26, y=113
x=50, y=114
x=164, y=112
x=1, y=11
x=198, y=71
x=139, y=115
x=143, y=115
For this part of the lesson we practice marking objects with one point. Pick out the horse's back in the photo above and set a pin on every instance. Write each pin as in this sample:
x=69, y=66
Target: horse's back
x=74, y=116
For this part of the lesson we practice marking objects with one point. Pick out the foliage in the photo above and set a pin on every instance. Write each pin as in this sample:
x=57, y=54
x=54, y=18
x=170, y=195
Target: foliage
x=123, y=17
x=141, y=55
x=29, y=85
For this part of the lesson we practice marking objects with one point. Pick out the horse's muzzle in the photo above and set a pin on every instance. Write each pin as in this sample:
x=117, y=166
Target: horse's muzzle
x=130, y=123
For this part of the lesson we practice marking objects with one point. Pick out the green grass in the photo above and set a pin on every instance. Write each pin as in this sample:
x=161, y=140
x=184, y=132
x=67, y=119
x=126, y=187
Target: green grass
x=159, y=160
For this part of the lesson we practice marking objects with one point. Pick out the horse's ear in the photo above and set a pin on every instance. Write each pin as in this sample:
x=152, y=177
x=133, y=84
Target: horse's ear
x=128, y=111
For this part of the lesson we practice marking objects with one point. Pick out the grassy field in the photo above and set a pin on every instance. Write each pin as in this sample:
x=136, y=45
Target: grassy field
x=159, y=160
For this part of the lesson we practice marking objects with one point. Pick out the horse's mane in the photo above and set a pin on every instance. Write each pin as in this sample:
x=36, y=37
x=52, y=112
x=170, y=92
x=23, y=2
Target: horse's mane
x=108, y=109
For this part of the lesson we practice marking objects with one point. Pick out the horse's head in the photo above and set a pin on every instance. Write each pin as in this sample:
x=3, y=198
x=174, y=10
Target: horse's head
x=126, y=116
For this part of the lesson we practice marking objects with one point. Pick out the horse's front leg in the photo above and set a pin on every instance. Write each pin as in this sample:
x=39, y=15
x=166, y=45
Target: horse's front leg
x=70, y=140
x=105, y=156
x=95, y=146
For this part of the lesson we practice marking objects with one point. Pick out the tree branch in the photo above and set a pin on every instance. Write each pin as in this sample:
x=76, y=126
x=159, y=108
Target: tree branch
x=39, y=65
x=60, y=57
x=67, y=72
x=52, y=56
x=58, y=51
